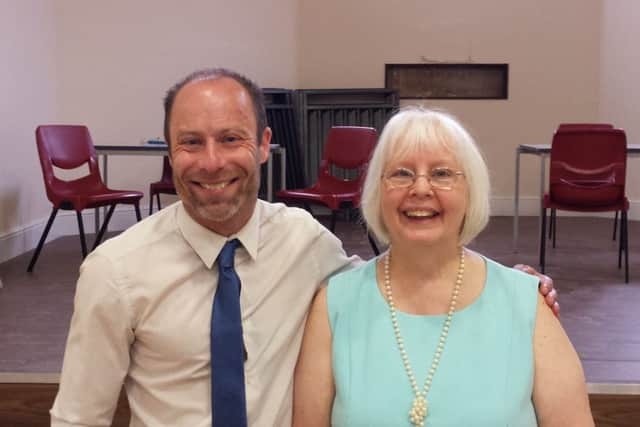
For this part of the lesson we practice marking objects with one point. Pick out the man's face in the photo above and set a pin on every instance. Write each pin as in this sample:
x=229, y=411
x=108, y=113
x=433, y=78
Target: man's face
x=214, y=153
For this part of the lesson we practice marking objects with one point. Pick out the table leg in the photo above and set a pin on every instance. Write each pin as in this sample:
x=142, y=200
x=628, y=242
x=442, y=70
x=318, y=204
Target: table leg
x=542, y=179
x=516, y=202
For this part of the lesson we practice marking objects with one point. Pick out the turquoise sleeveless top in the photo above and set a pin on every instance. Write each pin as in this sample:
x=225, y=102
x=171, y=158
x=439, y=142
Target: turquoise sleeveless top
x=485, y=376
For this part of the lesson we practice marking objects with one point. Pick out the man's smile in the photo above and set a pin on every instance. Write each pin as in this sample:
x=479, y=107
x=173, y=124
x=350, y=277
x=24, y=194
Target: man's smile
x=215, y=186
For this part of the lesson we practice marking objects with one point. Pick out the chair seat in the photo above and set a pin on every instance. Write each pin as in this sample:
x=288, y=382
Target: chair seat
x=587, y=192
x=329, y=191
x=332, y=201
x=571, y=205
x=91, y=199
x=109, y=197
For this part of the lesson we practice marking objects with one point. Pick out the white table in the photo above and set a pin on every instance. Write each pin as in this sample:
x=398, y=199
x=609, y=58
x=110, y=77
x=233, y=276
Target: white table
x=162, y=150
x=543, y=151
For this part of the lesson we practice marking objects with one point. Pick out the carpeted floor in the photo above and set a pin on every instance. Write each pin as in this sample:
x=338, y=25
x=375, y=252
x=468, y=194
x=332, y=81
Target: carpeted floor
x=599, y=311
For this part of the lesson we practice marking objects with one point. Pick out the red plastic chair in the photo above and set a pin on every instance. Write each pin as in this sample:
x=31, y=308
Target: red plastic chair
x=69, y=147
x=164, y=186
x=587, y=174
x=579, y=126
x=347, y=147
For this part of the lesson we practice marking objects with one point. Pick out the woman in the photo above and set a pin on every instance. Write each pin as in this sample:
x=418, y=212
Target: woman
x=432, y=333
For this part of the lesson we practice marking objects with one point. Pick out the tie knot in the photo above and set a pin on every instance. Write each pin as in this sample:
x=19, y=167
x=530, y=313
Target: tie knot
x=225, y=258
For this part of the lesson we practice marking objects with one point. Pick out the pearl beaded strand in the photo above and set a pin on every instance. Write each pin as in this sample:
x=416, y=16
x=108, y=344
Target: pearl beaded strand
x=418, y=412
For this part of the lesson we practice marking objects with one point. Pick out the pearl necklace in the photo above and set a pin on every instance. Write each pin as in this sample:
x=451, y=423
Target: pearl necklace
x=418, y=411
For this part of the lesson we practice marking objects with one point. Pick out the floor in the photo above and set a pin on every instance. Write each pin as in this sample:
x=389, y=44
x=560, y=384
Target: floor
x=599, y=311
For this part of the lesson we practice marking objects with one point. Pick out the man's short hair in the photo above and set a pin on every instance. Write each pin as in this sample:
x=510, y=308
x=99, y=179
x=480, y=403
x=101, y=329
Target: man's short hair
x=406, y=133
x=255, y=93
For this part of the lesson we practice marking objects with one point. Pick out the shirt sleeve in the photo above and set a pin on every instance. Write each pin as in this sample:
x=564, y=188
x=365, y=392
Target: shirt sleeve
x=331, y=256
x=96, y=358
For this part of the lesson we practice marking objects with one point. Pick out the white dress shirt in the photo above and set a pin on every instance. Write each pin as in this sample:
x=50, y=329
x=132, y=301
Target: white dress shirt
x=142, y=316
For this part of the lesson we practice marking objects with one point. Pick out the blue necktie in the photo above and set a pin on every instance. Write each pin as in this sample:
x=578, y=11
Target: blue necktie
x=228, y=400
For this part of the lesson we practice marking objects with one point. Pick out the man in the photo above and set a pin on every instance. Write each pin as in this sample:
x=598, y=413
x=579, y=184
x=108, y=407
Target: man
x=143, y=302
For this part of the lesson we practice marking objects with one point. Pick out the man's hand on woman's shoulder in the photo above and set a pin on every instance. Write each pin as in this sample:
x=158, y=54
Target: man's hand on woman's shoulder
x=545, y=287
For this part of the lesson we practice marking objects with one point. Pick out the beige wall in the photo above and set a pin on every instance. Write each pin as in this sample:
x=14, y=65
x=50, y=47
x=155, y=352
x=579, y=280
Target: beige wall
x=620, y=87
x=27, y=84
x=553, y=65
x=107, y=65
x=117, y=58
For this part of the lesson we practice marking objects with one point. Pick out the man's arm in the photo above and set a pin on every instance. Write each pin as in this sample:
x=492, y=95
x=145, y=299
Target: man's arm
x=545, y=287
x=96, y=358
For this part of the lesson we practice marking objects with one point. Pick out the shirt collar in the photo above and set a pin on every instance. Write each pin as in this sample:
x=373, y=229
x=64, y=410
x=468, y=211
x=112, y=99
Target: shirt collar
x=208, y=244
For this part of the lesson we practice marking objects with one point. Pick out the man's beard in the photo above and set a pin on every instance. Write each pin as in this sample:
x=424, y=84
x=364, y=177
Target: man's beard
x=220, y=211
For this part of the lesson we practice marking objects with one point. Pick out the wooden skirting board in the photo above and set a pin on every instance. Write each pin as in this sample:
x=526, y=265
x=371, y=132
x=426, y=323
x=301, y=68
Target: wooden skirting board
x=27, y=405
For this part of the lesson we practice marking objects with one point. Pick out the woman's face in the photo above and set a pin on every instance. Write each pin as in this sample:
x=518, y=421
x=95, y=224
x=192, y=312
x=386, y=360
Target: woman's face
x=421, y=212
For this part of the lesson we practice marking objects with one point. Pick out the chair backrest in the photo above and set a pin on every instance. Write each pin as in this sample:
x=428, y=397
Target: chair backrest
x=584, y=126
x=350, y=147
x=66, y=147
x=588, y=167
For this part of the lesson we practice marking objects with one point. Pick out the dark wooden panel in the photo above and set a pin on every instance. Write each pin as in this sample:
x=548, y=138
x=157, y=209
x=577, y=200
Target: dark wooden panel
x=448, y=81
x=27, y=405
x=614, y=410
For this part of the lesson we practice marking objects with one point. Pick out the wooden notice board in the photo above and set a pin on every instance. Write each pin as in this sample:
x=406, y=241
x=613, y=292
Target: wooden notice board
x=448, y=81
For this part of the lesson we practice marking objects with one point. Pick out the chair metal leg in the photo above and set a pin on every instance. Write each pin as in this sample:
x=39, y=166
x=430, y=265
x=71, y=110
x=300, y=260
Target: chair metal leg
x=625, y=224
x=552, y=222
x=158, y=200
x=615, y=225
x=45, y=232
x=624, y=245
x=554, y=225
x=137, y=208
x=333, y=221
x=105, y=224
x=83, y=242
x=621, y=242
x=543, y=240
x=150, y=203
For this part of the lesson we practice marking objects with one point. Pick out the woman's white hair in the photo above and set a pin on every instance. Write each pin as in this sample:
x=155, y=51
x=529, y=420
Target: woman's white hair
x=408, y=132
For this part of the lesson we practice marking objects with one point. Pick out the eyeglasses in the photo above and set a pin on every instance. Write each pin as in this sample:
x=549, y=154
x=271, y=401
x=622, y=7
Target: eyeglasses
x=439, y=178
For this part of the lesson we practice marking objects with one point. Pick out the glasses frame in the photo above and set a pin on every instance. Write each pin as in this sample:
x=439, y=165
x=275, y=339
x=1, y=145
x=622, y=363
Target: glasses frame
x=427, y=176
